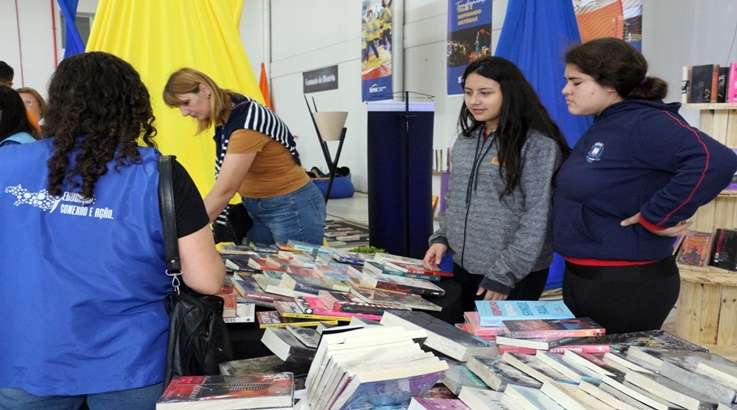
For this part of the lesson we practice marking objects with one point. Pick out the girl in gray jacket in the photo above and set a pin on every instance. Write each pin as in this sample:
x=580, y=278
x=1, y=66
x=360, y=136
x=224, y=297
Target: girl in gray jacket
x=497, y=221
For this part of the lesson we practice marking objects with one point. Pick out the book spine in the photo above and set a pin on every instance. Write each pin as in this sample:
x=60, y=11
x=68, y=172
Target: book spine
x=552, y=334
x=407, y=289
x=358, y=308
x=685, y=84
x=595, y=349
x=714, y=83
x=732, y=87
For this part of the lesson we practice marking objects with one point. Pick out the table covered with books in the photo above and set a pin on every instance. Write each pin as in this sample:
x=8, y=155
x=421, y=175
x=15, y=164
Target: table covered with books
x=346, y=331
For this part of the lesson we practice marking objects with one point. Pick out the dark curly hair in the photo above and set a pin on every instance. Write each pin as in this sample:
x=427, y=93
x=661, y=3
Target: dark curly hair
x=13, y=116
x=98, y=108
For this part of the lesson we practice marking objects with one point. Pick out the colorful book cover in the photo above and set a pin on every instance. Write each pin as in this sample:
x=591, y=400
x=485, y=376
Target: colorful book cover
x=401, y=284
x=318, y=308
x=272, y=318
x=552, y=328
x=292, y=310
x=497, y=374
x=473, y=325
x=577, y=348
x=458, y=375
x=732, y=87
x=429, y=403
x=391, y=392
x=247, y=391
x=400, y=300
x=492, y=313
x=695, y=249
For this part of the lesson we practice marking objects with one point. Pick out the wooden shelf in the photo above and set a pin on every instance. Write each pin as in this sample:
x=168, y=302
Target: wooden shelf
x=711, y=106
x=728, y=194
x=708, y=275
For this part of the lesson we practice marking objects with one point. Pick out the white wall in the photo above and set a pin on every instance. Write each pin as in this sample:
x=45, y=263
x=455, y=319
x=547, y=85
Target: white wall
x=677, y=33
x=292, y=36
x=306, y=35
x=29, y=46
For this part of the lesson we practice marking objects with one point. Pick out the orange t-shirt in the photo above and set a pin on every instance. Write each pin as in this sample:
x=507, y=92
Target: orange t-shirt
x=273, y=171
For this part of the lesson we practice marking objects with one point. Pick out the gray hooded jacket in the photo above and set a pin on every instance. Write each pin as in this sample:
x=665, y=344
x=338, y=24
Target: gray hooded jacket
x=502, y=239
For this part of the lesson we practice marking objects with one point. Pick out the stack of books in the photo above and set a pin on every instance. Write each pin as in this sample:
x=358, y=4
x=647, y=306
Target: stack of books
x=307, y=285
x=643, y=370
x=369, y=368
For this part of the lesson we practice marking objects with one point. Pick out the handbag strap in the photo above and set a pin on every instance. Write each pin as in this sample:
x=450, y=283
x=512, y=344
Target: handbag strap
x=168, y=219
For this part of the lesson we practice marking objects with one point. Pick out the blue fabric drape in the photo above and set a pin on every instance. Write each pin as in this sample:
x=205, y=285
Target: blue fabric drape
x=535, y=36
x=74, y=45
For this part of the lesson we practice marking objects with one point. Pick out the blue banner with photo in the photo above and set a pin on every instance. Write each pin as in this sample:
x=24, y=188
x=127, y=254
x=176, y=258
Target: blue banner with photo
x=376, y=57
x=469, y=37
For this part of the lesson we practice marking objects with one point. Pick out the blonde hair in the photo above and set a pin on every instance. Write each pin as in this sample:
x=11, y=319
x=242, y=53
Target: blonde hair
x=39, y=99
x=188, y=80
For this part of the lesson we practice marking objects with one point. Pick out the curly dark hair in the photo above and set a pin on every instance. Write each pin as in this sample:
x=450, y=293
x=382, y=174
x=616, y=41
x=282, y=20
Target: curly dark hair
x=98, y=108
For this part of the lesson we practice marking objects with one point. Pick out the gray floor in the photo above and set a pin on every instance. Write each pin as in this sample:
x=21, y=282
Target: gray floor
x=353, y=209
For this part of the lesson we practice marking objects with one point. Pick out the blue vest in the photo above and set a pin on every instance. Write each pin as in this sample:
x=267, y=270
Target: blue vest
x=82, y=282
x=18, y=138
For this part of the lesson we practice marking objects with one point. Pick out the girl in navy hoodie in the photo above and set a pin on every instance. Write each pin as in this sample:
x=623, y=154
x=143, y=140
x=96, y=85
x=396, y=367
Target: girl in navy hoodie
x=630, y=184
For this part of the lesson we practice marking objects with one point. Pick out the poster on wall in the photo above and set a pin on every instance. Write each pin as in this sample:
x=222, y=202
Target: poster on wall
x=469, y=37
x=376, y=58
x=610, y=18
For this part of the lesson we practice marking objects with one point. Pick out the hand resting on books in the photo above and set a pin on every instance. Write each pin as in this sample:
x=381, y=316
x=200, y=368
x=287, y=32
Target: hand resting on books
x=490, y=294
x=434, y=255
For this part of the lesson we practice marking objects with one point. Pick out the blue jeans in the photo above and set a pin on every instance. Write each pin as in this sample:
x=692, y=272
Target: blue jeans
x=298, y=215
x=143, y=398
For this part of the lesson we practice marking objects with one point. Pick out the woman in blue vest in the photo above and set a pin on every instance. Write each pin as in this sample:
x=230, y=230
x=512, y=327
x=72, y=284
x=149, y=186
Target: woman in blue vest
x=15, y=127
x=630, y=184
x=81, y=249
x=256, y=157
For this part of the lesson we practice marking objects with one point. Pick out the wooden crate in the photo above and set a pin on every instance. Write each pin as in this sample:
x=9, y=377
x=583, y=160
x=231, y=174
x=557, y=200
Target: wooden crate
x=706, y=312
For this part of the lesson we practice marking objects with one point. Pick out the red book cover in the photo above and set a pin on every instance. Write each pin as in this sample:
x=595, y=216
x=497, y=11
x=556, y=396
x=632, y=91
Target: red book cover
x=244, y=391
x=695, y=249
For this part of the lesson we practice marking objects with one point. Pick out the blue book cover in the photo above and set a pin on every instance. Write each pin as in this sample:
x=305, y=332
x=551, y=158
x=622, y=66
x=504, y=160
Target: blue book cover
x=397, y=392
x=492, y=313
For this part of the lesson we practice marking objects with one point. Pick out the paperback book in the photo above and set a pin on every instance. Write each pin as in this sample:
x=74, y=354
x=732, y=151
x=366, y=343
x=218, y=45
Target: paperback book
x=493, y=313
x=252, y=391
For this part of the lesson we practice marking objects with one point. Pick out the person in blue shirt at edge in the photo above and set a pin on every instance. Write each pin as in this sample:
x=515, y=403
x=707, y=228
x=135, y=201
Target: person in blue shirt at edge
x=633, y=179
x=256, y=156
x=500, y=193
x=15, y=127
x=82, y=249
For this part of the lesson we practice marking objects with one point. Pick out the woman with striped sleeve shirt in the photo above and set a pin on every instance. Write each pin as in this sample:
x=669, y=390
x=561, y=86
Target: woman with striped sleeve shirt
x=256, y=157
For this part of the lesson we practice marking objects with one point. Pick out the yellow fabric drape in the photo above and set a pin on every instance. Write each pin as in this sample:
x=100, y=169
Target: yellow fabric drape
x=161, y=36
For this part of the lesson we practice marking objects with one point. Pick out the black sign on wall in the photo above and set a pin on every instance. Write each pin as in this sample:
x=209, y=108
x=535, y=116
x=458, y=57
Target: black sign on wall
x=322, y=79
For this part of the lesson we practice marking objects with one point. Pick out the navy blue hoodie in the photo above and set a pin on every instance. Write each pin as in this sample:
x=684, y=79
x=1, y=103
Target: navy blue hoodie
x=638, y=156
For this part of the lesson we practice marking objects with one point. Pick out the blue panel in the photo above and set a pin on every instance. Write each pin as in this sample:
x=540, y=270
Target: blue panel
x=535, y=36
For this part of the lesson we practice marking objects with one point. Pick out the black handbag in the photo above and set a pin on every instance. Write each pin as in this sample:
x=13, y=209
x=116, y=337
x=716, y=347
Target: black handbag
x=235, y=225
x=198, y=336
